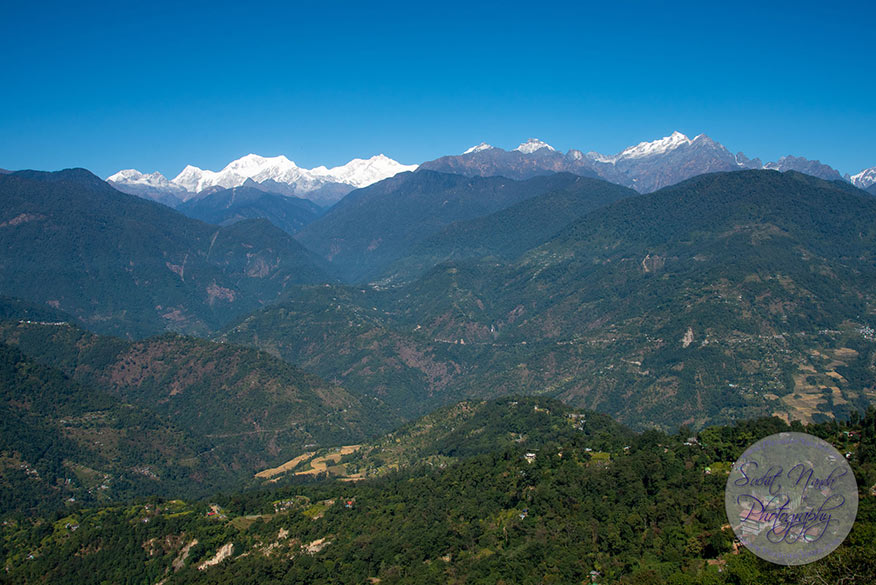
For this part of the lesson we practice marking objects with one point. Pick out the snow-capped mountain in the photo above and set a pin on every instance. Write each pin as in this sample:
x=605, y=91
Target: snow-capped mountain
x=864, y=179
x=533, y=145
x=478, y=148
x=530, y=159
x=277, y=174
x=149, y=186
x=649, y=166
x=647, y=149
x=646, y=166
x=363, y=172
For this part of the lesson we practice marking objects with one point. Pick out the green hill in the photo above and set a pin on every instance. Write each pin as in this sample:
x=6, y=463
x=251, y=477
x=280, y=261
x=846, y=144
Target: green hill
x=123, y=265
x=375, y=226
x=252, y=409
x=506, y=234
x=68, y=443
x=469, y=428
x=229, y=206
x=341, y=334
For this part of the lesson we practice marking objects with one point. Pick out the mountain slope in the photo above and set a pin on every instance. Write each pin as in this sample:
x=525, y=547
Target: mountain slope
x=647, y=510
x=473, y=428
x=124, y=265
x=729, y=295
x=764, y=268
x=64, y=441
x=375, y=226
x=508, y=233
x=228, y=206
x=252, y=409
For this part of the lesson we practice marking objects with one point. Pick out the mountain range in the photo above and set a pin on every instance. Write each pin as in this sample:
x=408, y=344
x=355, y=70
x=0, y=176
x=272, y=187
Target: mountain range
x=645, y=167
x=707, y=300
x=276, y=174
x=558, y=284
x=490, y=314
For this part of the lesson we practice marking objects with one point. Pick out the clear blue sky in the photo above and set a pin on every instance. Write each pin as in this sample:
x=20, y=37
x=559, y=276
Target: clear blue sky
x=154, y=85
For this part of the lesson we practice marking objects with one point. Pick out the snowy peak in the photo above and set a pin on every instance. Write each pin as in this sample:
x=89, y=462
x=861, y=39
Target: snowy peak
x=132, y=179
x=151, y=186
x=275, y=173
x=133, y=176
x=533, y=145
x=283, y=175
x=661, y=146
x=279, y=169
x=193, y=179
x=478, y=148
x=865, y=178
x=363, y=172
x=253, y=164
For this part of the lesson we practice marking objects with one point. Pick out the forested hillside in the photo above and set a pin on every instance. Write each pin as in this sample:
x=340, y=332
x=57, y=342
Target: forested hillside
x=638, y=509
x=130, y=267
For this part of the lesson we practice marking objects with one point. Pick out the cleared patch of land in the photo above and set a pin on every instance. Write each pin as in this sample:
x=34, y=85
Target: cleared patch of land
x=288, y=466
x=815, y=382
x=321, y=464
x=327, y=463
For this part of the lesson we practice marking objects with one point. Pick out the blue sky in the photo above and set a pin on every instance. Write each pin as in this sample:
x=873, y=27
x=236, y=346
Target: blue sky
x=155, y=86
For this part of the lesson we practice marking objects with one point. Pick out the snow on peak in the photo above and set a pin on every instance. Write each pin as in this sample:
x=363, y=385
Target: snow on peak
x=356, y=173
x=602, y=158
x=865, y=178
x=661, y=146
x=533, y=145
x=363, y=172
x=478, y=148
x=253, y=164
x=134, y=177
x=126, y=175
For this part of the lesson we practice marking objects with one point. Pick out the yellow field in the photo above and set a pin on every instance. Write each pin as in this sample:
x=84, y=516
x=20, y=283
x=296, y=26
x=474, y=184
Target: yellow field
x=318, y=465
x=321, y=464
x=288, y=466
